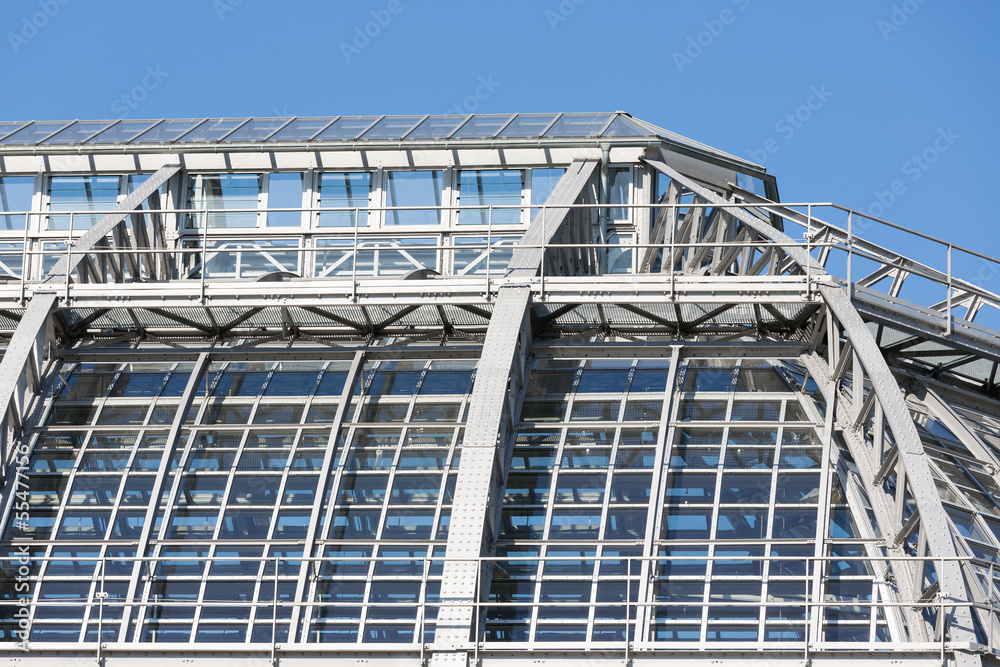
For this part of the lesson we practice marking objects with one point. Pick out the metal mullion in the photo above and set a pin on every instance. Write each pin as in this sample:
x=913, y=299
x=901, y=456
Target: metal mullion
x=304, y=590
x=163, y=470
x=414, y=126
x=94, y=134
x=772, y=506
x=223, y=137
x=52, y=134
x=664, y=444
x=713, y=534
x=503, y=127
x=460, y=125
x=64, y=503
x=605, y=508
x=203, y=583
x=323, y=129
x=823, y=509
x=19, y=128
x=358, y=136
x=142, y=132
x=189, y=131
x=391, y=478
x=439, y=508
x=279, y=129
x=549, y=506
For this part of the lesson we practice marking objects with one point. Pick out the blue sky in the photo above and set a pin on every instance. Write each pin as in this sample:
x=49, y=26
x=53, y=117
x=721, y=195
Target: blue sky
x=842, y=101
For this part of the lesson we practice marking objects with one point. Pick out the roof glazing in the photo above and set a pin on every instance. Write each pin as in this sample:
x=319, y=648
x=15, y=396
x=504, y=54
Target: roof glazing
x=335, y=128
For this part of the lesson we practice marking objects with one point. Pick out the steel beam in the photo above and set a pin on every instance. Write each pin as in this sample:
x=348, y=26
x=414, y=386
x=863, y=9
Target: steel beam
x=935, y=526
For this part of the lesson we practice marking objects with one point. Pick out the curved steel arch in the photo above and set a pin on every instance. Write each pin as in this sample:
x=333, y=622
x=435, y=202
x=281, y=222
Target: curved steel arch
x=935, y=527
x=494, y=408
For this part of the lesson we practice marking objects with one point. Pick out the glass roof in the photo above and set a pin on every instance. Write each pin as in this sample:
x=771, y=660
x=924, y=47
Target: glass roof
x=333, y=128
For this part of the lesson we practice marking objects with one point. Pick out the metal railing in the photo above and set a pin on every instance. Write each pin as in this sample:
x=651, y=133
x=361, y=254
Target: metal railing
x=808, y=617
x=308, y=249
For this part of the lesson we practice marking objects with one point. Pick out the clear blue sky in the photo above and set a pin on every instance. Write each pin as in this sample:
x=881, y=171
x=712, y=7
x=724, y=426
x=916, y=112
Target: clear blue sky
x=886, y=78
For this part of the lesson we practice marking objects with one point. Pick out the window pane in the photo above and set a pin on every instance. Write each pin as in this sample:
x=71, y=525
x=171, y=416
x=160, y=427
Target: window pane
x=483, y=189
x=225, y=191
x=347, y=191
x=15, y=195
x=80, y=194
x=284, y=191
x=414, y=188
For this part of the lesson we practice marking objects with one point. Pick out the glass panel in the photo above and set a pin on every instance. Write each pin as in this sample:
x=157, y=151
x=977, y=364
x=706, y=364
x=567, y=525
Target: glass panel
x=345, y=128
x=579, y=125
x=15, y=195
x=527, y=125
x=165, y=132
x=300, y=129
x=481, y=127
x=347, y=191
x=619, y=192
x=435, y=127
x=483, y=189
x=543, y=182
x=414, y=188
x=35, y=132
x=257, y=129
x=77, y=132
x=284, y=190
x=225, y=191
x=80, y=194
x=212, y=130
x=623, y=127
x=391, y=127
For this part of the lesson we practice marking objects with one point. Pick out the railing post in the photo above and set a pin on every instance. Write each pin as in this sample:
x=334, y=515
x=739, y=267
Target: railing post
x=489, y=247
x=809, y=250
x=101, y=596
x=69, y=254
x=422, y=610
x=354, y=260
x=204, y=254
x=475, y=614
x=542, y=292
x=947, y=330
x=670, y=254
x=24, y=255
x=989, y=636
x=628, y=605
x=274, y=616
x=850, y=254
x=941, y=614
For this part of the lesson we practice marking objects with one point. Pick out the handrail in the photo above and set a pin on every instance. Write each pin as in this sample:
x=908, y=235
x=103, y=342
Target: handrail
x=416, y=621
